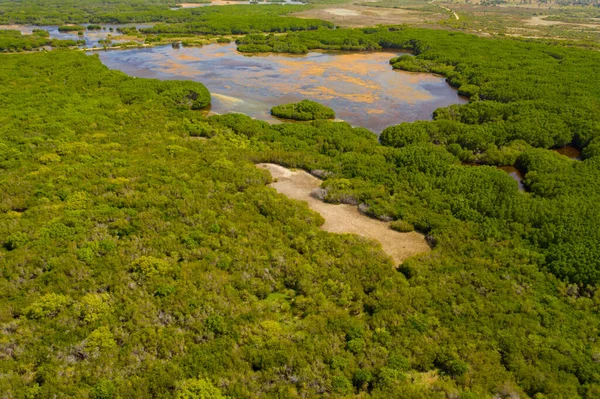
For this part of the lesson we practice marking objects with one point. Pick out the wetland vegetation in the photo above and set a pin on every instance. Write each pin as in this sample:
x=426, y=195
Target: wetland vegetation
x=144, y=255
x=12, y=40
x=305, y=110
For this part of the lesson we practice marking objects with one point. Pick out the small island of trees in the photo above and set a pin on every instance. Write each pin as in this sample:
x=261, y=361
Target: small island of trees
x=71, y=28
x=305, y=110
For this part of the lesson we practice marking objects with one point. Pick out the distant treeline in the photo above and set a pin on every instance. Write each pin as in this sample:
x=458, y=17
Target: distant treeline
x=57, y=12
x=14, y=40
x=237, y=25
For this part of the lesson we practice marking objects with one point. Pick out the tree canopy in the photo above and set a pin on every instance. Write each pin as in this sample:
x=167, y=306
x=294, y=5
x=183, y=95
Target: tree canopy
x=142, y=254
x=305, y=110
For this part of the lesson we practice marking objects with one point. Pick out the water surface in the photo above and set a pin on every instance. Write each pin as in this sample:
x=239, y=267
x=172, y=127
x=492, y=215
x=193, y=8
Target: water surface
x=362, y=88
x=91, y=37
x=516, y=174
x=569, y=151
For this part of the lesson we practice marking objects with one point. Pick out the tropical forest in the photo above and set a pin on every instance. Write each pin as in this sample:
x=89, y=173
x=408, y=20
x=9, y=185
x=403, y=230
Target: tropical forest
x=273, y=199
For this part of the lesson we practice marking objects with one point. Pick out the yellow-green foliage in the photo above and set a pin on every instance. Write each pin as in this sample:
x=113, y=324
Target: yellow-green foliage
x=47, y=306
x=402, y=226
x=93, y=307
x=304, y=110
x=197, y=389
x=100, y=340
x=148, y=266
x=49, y=158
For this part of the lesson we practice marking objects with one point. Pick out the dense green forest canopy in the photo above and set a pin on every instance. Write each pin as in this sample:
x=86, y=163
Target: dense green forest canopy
x=143, y=255
x=227, y=24
x=305, y=110
x=56, y=12
x=151, y=263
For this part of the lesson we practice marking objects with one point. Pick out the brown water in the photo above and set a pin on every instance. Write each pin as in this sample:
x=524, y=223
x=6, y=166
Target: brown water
x=511, y=170
x=515, y=174
x=569, y=151
x=362, y=88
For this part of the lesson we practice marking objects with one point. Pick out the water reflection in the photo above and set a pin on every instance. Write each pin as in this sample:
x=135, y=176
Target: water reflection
x=569, y=151
x=515, y=174
x=362, y=88
x=92, y=37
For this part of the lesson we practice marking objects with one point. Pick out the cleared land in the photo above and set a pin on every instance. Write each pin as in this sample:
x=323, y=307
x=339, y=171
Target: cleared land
x=343, y=218
x=542, y=21
x=361, y=16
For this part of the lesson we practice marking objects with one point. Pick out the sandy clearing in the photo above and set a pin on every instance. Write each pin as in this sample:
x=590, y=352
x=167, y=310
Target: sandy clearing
x=191, y=5
x=541, y=21
x=345, y=218
x=342, y=12
x=362, y=16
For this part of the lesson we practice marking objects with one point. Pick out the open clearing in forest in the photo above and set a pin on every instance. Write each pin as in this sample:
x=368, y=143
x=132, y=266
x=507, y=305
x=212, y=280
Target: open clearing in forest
x=343, y=218
x=361, y=16
x=542, y=21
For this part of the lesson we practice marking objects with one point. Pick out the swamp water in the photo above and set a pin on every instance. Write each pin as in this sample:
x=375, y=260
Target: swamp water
x=91, y=37
x=362, y=88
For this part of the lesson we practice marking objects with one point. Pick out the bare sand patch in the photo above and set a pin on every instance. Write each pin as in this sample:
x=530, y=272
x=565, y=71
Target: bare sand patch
x=345, y=218
x=191, y=5
x=227, y=99
x=361, y=16
x=542, y=21
x=342, y=12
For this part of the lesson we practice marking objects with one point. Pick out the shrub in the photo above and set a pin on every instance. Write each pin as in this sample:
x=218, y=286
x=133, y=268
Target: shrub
x=341, y=385
x=104, y=389
x=198, y=389
x=361, y=378
x=93, y=306
x=304, y=110
x=398, y=362
x=402, y=226
x=405, y=134
x=101, y=339
x=71, y=28
x=148, y=266
x=16, y=240
x=47, y=306
x=356, y=345
x=49, y=158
